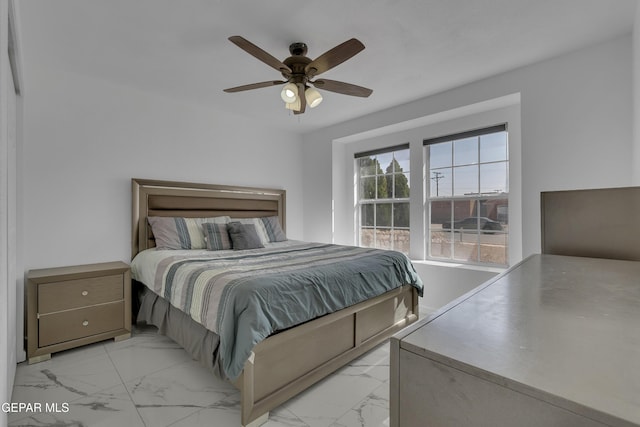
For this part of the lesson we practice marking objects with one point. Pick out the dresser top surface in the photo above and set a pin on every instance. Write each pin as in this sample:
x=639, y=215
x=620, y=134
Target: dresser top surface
x=565, y=329
x=77, y=271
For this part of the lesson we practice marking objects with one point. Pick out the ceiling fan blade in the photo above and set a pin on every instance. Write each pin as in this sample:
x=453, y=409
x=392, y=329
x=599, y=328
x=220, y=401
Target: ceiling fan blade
x=257, y=52
x=343, y=88
x=303, y=98
x=254, y=86
x=333, y=57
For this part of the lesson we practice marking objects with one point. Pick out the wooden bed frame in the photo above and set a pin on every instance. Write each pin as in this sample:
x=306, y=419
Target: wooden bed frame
x=286, y=363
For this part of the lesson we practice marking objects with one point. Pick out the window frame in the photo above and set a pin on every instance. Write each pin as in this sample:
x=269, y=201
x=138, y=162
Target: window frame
x=376, y=202
x=476, y=200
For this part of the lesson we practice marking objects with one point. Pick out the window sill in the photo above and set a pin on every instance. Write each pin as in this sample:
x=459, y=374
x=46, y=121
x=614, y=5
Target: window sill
x=484, y=268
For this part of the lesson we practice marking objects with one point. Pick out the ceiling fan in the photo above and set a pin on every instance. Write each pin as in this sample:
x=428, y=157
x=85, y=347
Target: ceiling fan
x=300, y=70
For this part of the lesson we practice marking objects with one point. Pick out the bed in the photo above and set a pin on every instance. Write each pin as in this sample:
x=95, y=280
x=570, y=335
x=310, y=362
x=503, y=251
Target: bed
x=297, y=352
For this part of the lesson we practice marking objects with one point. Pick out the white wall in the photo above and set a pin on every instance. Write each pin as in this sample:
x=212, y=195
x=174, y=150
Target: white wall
x=86, y=138
x=444, y=283
x=576, y=131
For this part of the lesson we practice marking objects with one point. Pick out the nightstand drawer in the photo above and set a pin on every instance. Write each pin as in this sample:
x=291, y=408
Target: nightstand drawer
x=73, y=324
x=65, y=295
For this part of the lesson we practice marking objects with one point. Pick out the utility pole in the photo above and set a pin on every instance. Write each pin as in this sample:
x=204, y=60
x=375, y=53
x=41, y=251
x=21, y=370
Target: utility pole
x=438, y=176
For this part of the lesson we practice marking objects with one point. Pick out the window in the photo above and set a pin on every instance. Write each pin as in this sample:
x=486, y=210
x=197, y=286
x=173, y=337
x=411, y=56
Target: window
x=383, y=198
x=467, y=189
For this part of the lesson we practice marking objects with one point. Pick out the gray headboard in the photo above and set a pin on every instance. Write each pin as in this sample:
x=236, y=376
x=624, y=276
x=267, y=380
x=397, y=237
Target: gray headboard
x=598, y=223
x=187, y=199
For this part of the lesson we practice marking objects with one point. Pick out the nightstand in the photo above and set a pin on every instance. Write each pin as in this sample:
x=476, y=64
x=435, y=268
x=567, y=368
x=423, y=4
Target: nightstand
x=72, y=306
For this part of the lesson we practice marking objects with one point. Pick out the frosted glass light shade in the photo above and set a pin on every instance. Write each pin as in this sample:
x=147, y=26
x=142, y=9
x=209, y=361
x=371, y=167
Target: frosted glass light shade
x=289, y=93
x=295, y=105
x=313, y=97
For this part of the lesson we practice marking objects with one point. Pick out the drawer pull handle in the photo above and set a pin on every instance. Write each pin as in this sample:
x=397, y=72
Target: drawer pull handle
x=85, y=293
x=85, y=323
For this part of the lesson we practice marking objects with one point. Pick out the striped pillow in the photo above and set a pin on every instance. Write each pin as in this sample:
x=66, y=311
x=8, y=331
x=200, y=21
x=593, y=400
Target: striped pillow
x=216, y=236
x=273, y=229
x=181, y=233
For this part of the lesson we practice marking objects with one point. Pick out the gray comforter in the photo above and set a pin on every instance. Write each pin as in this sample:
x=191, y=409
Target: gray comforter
x=245, y=296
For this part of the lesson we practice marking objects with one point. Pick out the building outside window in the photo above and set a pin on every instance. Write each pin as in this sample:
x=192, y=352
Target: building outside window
x=383, y=198
x=467, y=196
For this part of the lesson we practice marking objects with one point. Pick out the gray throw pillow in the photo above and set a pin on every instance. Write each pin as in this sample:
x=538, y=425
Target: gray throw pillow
x=244, y=236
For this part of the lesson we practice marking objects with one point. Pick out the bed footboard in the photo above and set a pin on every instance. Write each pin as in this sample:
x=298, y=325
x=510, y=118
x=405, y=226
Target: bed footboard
x=285, y=364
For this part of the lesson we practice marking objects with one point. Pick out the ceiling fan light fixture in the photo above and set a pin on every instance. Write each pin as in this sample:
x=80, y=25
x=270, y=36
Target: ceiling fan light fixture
x=314, y=98
x=289, y=93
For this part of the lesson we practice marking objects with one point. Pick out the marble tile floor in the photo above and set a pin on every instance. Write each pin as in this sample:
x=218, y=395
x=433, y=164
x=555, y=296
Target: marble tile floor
x=149, y=381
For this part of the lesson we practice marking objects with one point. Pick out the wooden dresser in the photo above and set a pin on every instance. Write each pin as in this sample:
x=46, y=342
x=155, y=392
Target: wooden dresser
x=72, y=306
x=554, y=341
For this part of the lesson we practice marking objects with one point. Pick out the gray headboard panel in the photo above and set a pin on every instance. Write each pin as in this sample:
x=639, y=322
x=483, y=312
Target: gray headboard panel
x=598, y=223
x=186, y=199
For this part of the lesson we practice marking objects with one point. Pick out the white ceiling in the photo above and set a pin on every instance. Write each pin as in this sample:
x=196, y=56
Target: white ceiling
x=414, y=48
